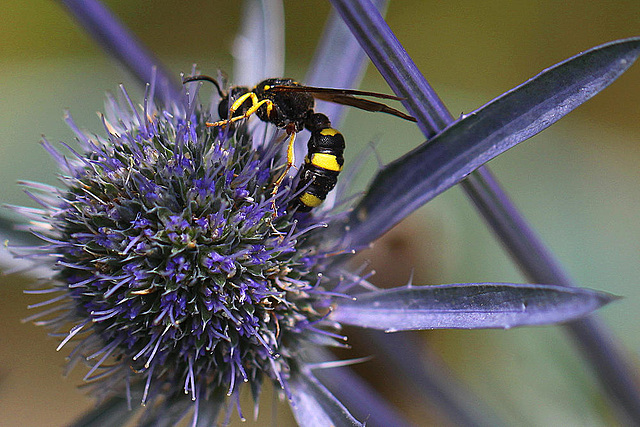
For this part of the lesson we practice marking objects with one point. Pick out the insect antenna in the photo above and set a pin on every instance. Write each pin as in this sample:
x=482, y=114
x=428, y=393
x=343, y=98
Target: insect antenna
x=206, y=79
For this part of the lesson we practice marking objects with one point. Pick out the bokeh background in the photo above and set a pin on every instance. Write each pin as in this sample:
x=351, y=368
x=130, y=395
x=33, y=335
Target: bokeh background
x=577, y=182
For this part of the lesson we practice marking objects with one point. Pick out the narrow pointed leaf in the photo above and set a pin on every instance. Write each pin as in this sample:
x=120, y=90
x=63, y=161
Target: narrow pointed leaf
x=10, y=264
x=355, y=393
x=209, y=409
x=412, y=180
x=258, y=50
x=12, y=237
x=109, y=32
x=338, y=62
x=426, y=373
x=468, y=306
x=313, y=405
x=13, y=229
x=394, y=64
x=112, y=413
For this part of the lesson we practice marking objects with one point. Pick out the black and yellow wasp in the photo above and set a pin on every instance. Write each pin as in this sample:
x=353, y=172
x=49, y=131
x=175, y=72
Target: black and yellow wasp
x=290, y=106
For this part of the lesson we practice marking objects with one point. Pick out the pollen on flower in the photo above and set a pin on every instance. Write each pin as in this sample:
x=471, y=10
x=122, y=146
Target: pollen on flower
x=176, y=276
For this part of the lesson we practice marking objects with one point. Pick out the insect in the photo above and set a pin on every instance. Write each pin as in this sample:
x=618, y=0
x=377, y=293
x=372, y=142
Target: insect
x=290, y=106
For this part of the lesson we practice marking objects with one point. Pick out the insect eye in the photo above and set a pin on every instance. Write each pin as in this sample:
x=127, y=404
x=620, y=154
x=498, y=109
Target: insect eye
x=223, y=108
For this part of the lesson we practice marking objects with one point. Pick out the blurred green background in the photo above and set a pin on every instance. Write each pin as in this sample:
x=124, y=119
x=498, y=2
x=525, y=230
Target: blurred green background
x=578, y=182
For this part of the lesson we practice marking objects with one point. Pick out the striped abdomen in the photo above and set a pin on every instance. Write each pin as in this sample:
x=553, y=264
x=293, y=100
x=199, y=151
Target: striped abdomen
x=321, y=168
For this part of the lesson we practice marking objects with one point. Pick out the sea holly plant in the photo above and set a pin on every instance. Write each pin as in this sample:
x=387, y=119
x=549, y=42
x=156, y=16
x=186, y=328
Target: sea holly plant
x=177, y=281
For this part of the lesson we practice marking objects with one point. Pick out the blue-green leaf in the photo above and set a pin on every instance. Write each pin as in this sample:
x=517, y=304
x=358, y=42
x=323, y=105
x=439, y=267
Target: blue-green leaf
x=417, y=177
x=113, y=412
x=109, y=32
x=313, y=405
x=259, y=48
x=468, y=306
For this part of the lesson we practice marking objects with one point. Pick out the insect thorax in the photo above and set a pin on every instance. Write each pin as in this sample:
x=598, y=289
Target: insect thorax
x=289, y=107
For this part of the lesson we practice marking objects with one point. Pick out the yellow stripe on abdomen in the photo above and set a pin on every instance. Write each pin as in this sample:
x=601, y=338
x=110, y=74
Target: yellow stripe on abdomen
x=329, y=132
x=309, y=200
x=326, y=161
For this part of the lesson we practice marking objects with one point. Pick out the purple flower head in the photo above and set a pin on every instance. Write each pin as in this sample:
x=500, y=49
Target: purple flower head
x=211, y=260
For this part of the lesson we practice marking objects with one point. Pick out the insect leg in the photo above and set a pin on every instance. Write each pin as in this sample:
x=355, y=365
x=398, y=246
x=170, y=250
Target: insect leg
x=255, y=105
x=290, y=162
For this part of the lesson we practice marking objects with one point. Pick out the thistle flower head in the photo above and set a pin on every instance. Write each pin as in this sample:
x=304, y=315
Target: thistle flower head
x=173, y=265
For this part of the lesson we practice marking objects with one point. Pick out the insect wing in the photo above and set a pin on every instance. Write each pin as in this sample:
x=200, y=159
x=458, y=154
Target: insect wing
x=364, y=104
x=320, y=90
x=345, y=97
